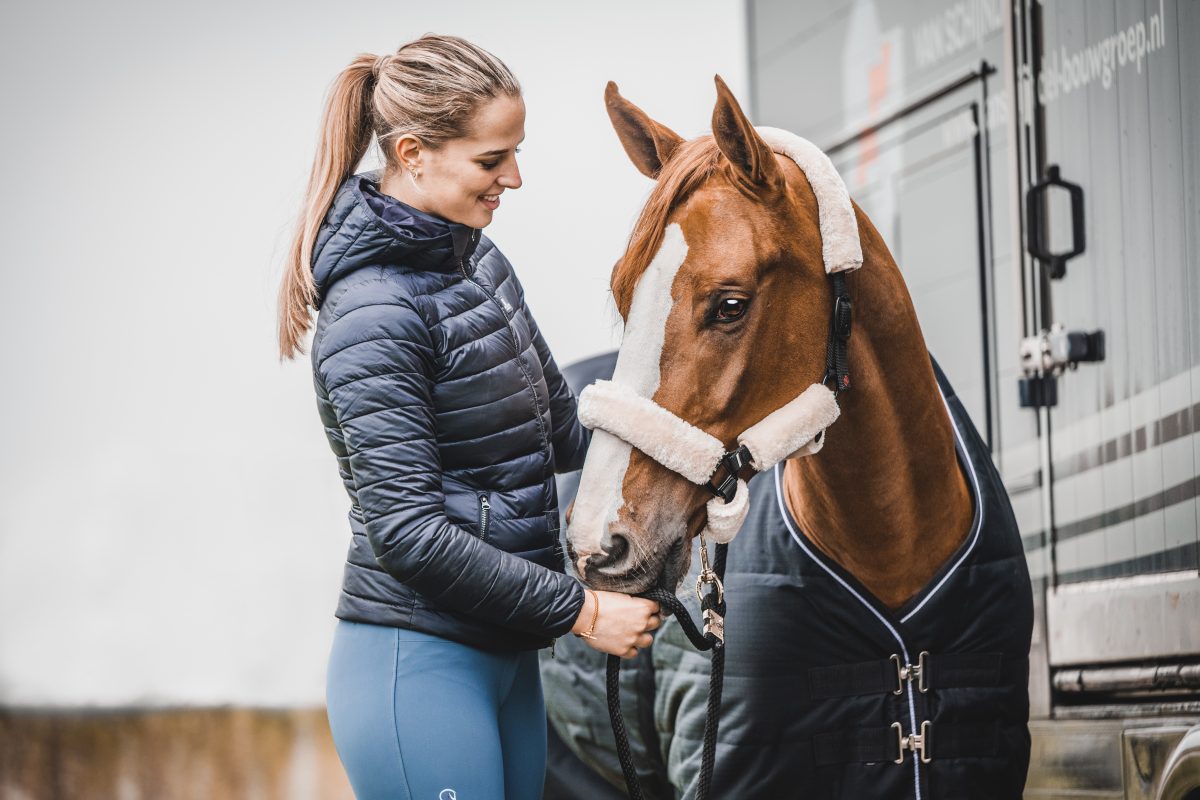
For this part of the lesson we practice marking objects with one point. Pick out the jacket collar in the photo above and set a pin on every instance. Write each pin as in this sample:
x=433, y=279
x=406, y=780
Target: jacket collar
x=366, y=228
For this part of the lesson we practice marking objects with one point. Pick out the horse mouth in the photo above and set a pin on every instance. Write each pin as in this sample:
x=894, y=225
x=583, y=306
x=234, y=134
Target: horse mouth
x=666, y=571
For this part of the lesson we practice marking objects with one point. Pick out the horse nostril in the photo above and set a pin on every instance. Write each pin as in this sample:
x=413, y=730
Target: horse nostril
x=618, y=550
x=616, y=554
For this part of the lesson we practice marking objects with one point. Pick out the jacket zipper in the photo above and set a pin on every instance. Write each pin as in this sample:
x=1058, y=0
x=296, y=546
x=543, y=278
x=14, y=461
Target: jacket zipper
x=485, y=515
x=484, y=506
x=537, y=406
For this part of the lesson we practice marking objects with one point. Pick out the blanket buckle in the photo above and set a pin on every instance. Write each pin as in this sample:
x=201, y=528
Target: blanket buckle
x=916, y=742
x=907, y=672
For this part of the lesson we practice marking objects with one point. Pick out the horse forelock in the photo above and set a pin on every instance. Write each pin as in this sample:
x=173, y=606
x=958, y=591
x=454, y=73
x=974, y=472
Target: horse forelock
x=690, y=165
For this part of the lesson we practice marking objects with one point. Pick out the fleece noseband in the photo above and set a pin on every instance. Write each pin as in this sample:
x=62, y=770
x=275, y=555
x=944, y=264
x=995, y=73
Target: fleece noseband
x=795, y=430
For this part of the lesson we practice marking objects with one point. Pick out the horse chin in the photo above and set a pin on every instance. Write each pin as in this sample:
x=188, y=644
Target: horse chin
x=674, y=567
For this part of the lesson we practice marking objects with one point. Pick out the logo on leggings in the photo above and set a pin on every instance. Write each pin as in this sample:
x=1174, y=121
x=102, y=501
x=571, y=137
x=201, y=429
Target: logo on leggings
x=447, y=794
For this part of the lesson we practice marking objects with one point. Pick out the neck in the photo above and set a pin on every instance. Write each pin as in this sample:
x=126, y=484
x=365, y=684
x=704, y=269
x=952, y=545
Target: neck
x=403, y=188
x=885, y=498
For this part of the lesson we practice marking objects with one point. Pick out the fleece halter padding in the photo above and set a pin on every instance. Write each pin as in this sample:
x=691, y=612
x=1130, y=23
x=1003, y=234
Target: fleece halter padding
x=840, y=246
x=795, y=430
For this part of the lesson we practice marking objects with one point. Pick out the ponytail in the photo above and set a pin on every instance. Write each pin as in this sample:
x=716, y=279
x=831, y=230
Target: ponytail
x=345, y=136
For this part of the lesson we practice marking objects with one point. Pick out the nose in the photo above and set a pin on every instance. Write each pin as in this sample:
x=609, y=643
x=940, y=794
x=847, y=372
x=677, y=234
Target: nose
x=511, y=179
x=613, y=560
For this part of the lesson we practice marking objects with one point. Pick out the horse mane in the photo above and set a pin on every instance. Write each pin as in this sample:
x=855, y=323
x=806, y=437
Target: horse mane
x=690, y=165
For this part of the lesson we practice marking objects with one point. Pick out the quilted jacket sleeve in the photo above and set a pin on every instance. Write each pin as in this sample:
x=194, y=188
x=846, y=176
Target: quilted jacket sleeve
x=569, y=437
x=376, y=366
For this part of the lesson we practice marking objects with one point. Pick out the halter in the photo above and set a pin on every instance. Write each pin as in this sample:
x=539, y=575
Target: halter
x=793, y=431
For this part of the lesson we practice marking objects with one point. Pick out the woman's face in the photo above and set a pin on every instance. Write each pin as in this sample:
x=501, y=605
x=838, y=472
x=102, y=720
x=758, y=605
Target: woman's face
x=463, y=180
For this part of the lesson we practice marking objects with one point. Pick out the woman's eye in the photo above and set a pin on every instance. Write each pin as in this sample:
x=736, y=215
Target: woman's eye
x=730, y=308
x=489, y=164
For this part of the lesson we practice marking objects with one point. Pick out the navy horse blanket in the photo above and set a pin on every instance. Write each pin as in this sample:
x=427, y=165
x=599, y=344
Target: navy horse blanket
x=828, y=694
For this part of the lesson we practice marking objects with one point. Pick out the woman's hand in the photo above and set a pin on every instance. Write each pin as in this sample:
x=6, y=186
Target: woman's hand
x=623, y=625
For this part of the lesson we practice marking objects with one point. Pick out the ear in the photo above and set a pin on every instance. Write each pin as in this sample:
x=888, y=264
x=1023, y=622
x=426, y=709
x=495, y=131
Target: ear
x=408, y=151
x=648, y=143
x=751, y=161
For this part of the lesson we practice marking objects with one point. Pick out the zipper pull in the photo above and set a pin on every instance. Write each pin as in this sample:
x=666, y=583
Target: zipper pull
x=485, y=514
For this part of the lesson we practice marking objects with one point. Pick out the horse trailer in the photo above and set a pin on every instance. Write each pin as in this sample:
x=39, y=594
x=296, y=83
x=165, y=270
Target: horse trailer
x=1035, y=167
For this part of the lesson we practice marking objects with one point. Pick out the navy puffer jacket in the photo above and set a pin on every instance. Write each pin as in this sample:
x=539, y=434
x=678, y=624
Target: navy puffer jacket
x=449, y=418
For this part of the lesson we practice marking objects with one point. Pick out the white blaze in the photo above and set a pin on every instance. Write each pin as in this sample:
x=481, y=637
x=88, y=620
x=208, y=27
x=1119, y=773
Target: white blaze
x=599, y=497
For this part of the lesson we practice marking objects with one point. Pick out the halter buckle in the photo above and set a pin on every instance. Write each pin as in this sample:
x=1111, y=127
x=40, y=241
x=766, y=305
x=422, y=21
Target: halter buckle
x=843, y=313
x=733, y=462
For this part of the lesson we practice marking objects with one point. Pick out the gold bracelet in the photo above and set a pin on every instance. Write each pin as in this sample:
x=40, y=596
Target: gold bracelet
x=590, y=633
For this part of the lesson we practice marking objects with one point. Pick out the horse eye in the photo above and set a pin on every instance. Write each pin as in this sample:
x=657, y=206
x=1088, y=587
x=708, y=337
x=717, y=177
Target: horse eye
x=730, y=308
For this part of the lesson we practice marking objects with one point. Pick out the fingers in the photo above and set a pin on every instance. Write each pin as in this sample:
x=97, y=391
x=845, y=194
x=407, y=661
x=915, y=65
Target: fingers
x=654, y=623
x=645, y=640
x=630, y=653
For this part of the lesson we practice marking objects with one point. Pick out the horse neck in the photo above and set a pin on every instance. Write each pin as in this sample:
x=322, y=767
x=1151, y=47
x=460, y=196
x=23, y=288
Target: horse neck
x=885, y=498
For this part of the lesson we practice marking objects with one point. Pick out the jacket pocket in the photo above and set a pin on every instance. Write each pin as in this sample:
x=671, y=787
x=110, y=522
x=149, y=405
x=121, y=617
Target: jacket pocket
x=485, y=515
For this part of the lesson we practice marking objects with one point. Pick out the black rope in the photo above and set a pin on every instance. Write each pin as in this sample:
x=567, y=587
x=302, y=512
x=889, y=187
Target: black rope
x=672, y=606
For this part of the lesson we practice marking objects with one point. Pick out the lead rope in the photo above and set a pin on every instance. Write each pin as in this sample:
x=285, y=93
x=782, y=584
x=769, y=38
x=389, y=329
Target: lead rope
x=712, y=604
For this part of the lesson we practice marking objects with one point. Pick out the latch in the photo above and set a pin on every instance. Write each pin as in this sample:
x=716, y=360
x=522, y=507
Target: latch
x=909, y=672
x=1049, y=354
x=915, y=742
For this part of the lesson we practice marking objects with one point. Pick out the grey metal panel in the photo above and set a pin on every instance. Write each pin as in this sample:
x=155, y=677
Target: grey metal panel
x=1124, y=619
x=1039, y=658
x=1124, y=144
x=778, y=25
x=787, y=96
x=1075, y=759
x=1187, y=19
x=937, y=254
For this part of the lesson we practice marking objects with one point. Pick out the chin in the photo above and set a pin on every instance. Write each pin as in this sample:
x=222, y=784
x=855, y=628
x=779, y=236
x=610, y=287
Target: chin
x=479, y=219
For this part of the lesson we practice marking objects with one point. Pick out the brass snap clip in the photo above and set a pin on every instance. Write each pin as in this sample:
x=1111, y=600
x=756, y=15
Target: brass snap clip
x=707, y=575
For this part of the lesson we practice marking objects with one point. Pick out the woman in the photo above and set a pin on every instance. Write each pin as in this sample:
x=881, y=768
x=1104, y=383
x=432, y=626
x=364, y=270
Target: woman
x=449, y=418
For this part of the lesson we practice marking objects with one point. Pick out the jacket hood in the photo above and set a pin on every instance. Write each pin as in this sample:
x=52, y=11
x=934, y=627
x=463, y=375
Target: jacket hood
x=366, y=228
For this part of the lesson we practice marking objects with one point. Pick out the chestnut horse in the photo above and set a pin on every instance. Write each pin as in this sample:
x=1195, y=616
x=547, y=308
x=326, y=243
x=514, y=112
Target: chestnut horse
x=727, y=299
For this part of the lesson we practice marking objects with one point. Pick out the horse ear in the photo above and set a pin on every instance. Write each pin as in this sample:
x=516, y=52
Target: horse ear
x=648, y=143
x=753, y=163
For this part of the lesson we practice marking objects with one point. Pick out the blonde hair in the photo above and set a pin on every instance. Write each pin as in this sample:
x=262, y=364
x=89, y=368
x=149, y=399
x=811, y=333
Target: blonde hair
x=429, y=88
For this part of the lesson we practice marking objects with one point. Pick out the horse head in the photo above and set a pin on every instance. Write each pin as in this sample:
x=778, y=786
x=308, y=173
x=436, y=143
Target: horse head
x=724, y=293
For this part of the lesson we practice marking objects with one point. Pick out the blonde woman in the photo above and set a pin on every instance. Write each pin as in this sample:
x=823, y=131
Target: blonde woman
x=448, y=418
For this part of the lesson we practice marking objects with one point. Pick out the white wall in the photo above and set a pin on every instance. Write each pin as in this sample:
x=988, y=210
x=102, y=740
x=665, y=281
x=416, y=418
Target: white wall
x=171, y=523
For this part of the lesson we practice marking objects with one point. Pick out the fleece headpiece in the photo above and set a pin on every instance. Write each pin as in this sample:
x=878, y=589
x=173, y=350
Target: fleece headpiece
x=795, y=430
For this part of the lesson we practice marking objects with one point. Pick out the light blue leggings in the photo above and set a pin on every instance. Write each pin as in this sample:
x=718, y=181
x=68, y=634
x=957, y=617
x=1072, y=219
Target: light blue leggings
x=418, y=717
